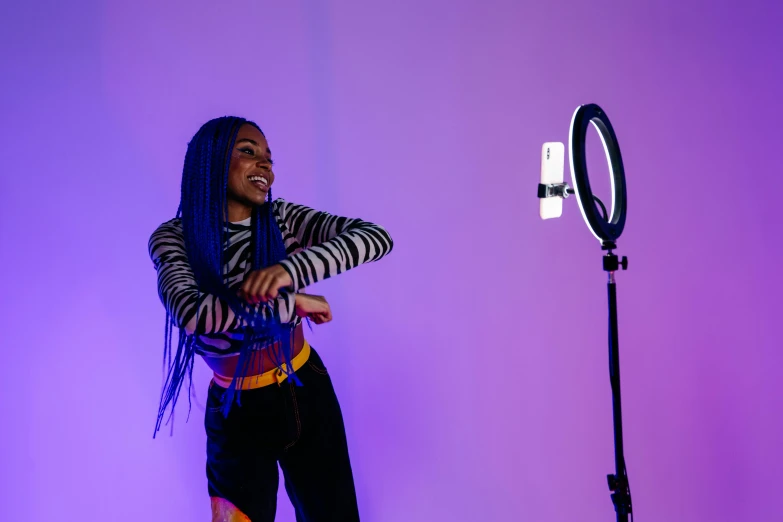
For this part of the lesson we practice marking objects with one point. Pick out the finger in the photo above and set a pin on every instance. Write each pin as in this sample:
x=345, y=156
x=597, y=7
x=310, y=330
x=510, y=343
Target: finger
x=277, y=282
x=272, y=292
x=255, y=289
x=260, y=289
x=324, y=317
x=325, y=311
x=269, y=287
x=247, y=284
x=251, y=285
x=244, y=291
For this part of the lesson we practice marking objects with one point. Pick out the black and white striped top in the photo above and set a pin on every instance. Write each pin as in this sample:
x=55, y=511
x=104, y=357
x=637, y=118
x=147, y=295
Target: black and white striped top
x=319, y=245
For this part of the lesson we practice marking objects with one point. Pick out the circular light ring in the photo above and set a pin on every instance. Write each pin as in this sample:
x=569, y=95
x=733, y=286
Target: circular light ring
x=602, y=229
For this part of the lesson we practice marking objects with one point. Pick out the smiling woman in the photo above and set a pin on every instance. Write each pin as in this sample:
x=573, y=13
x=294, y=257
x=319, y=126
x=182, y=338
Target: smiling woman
x=250, y=175
x=230, y=272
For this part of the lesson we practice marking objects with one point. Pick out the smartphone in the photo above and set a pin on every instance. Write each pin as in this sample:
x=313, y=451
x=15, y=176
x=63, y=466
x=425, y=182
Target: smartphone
x=552, y=165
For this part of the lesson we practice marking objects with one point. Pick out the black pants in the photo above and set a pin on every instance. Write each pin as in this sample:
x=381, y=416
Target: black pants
x=301, y=427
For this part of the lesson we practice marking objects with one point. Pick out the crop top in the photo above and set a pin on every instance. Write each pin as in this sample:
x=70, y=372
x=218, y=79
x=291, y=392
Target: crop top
x=319, y=245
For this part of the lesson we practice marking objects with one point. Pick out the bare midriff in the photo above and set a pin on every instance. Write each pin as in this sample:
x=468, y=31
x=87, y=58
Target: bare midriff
x=261, y=362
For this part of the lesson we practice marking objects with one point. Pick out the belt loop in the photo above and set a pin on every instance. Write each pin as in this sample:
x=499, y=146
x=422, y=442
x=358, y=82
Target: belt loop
x=279, y=375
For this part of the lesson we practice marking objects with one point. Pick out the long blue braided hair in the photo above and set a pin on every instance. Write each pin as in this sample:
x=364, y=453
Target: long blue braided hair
x=204, y=211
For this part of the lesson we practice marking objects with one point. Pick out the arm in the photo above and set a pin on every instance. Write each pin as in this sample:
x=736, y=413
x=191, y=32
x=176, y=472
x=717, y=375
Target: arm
x=180, y=295
x=332, y=244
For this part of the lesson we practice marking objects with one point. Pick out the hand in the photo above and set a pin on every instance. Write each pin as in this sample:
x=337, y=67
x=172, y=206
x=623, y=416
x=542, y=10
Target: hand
x=263, y=285
x=314, y=307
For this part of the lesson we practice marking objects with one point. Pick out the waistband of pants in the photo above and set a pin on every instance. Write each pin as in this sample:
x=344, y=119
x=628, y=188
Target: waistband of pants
x=275, y=375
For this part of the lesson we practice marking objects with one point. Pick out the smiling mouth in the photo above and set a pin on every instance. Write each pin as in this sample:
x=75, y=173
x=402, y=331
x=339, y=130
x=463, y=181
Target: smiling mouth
x=259, y=181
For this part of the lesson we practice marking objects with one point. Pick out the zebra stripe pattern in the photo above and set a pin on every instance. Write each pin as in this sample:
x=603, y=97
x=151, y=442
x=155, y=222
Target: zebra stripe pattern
x=319, y=245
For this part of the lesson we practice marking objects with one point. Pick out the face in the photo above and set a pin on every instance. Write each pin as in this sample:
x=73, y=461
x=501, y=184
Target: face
x=250, y=174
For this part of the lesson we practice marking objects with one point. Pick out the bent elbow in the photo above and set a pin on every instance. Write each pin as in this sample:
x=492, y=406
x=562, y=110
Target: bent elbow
x=387, y=238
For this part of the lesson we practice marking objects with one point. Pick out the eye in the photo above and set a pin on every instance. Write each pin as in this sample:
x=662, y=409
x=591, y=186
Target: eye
x=247, y=150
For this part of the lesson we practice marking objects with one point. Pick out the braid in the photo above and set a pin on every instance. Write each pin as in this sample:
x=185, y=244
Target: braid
x=204, y=215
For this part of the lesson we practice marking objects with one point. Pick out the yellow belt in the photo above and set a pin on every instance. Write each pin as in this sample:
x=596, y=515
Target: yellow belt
x=276, y=375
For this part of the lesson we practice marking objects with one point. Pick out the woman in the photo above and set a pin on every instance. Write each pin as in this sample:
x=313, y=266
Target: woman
x=229, y=275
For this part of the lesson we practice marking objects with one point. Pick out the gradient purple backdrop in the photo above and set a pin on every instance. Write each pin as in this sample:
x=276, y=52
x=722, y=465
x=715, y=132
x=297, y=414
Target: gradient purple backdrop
x=471, y=363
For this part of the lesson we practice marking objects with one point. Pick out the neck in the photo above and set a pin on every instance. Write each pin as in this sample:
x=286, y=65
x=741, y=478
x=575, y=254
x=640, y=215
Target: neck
x=238, y=212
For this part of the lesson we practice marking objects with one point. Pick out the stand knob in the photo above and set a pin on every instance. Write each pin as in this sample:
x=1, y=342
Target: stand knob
x=624, y=263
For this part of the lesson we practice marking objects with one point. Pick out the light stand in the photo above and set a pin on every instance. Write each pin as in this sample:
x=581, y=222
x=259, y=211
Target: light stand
x=618, y=483
x=607, y=229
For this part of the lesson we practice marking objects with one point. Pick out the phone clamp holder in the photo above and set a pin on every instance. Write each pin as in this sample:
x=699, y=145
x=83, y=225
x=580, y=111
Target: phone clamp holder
x=556, y=190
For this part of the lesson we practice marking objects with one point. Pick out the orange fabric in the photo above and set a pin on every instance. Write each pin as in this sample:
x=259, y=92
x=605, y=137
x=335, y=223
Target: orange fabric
x=225, y=511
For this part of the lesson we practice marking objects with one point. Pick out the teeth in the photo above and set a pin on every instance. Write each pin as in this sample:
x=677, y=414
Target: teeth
x=258, y=178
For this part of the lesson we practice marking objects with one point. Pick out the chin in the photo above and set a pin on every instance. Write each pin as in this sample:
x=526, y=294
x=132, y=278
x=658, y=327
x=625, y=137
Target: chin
x=259, y=200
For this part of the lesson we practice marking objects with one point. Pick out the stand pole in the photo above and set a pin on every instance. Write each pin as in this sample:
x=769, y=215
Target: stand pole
x=618, y=483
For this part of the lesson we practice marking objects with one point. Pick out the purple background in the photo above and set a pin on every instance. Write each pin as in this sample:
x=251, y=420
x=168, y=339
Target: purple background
x=471, y=363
